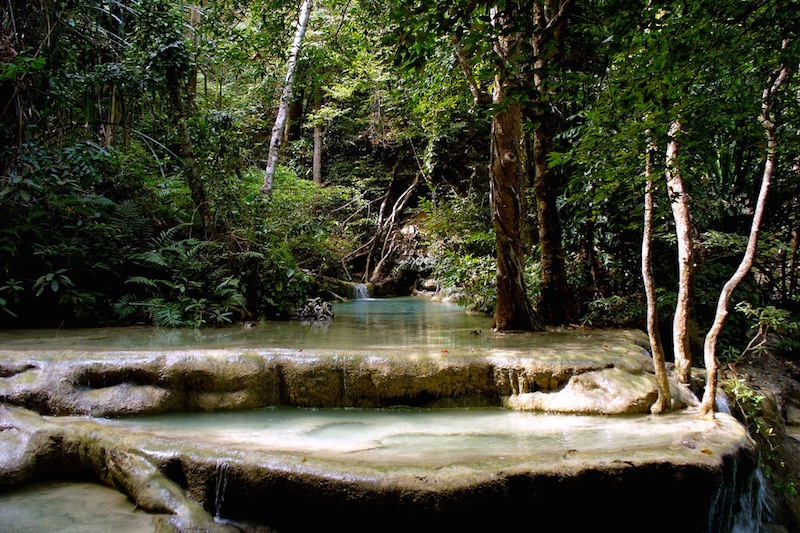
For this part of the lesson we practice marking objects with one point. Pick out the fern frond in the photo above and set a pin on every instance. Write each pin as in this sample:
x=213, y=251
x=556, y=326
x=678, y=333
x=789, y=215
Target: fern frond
x=142, y=280
x=127, y=210
x=250, y=254
x=166, y=238
x=153, y=257
x=126, y=306
x=167, y=317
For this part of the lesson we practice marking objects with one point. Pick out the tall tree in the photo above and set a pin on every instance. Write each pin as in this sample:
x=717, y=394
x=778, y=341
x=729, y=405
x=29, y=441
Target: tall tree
x=163, y=31
x=777, y=80
x=316, y=165
x=509, y=177
x=528, y=39
x=286, y=97
x=679, y=200
x=663, y=403
x=556, y=305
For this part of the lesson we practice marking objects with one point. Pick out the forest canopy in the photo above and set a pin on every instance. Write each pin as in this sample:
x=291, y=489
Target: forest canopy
x=498, y=153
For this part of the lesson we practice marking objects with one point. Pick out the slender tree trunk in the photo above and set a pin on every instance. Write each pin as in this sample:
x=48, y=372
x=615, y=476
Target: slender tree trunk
x=110, y=127
x=294, y=119
x=680, y=212
x=316, y=164
x=710, y=345
x=286, y=97
x=508, y=175
x=556, y=305
x=194, y=21
x=479, y=96
x=181, y=109
x=794, y=249
x=196, y=187
x=663, y=404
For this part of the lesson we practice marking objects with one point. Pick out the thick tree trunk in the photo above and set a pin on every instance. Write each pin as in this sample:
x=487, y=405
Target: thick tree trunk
x=286, y=98
x=556, y=305
x=710, y=346
x=663, y=404
x=680, y=212
x=513, y=310
x=508, y=175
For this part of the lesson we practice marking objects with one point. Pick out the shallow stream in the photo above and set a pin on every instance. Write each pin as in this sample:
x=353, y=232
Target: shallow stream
x=423, y=438
x=426, y=442
x=409, y=323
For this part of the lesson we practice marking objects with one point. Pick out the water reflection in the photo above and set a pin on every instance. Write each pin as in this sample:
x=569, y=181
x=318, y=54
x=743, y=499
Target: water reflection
x=409, y=325
x=373, y=323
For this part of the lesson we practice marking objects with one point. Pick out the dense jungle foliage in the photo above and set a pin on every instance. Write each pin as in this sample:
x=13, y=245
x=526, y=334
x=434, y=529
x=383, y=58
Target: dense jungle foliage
x=135, y=135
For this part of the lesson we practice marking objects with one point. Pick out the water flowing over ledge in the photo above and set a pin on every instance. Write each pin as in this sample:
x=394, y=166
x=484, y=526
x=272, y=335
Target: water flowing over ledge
x=397, y=471
x=430, y=426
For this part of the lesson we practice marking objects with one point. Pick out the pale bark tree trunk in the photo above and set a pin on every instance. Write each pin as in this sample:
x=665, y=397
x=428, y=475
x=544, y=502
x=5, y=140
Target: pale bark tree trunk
x=710, y=345
x=556, y=305
x=679, y=201
x=286, y=97
x=664, y=402
x=110, y=127
x=316, y=164
x=508, y=178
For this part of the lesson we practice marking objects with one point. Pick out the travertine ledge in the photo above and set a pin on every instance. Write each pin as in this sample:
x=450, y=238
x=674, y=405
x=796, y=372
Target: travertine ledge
x=605, y=373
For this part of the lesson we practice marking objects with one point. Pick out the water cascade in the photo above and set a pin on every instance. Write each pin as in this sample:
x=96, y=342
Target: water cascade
x=360, y=291
x=752, y=504
x=221, y=485
x=403, y=414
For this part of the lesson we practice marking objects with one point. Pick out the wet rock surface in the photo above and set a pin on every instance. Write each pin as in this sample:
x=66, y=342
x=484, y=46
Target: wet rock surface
x=606, y=373
x=180, y=479
x=72, y=507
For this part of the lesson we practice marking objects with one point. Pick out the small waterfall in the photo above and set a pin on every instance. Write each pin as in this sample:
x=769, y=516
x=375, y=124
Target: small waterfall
x=754, y=506
x=747, y=503
x=344, y=386
x=275, y=380
x=722, y=404
x=222, y=484
x=360, y=291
